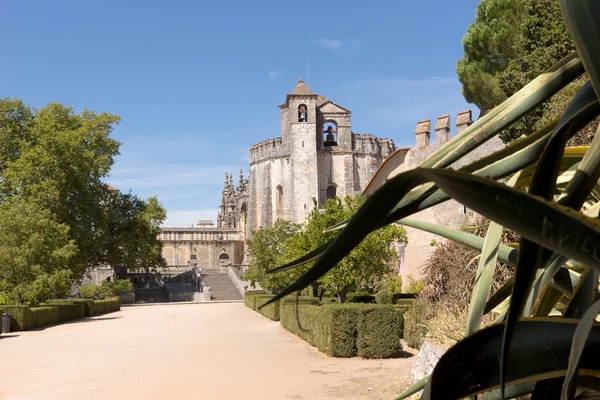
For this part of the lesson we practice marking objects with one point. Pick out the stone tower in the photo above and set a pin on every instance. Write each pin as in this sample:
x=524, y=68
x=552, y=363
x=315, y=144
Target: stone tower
x=317, y=157
x=301, y=107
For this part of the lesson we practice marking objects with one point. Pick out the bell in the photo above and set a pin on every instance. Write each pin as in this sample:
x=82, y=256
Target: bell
x=330, y=140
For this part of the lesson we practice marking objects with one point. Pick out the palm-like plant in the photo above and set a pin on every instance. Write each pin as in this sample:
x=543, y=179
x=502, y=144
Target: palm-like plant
x=544, y=344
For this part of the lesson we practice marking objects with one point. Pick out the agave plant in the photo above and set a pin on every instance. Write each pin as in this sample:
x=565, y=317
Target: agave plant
x=545, y=343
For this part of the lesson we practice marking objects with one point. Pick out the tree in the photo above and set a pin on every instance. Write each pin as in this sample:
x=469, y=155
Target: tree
x=58, y=219
x=266, y=248
x=489, y=45
x=510, y=43
x=368, y=263
x=56, y=159
x=130, y=231
x=34, y=254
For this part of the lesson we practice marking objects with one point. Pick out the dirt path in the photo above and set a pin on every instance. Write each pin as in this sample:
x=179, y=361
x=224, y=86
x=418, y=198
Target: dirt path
x=201, y=351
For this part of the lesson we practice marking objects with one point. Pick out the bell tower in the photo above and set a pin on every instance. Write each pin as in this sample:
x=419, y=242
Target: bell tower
x=299, y=133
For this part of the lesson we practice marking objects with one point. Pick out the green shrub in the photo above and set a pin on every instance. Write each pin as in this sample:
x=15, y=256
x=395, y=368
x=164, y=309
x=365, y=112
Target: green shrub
x=338, y=330
x=414, y=324
x=21, y=317
x=271, y=311
x=67, y=310
x=89, y=291
x=394, y=298
x=250, y=298
x=308, y=315
x=105, y=306
x=47, y=315
x=379, y=331
x=360, y=298
x=384, y=298
x=301, y=300
x=86, y=304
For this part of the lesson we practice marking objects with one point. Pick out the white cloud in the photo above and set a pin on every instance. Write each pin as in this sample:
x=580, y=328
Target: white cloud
x=274, y=75
x=332, y=44
x=350, y=46
x=187, y=218
x=168, y=176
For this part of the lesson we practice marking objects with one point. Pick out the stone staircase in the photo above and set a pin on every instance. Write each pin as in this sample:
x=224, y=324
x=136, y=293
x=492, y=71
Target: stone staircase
x=221, y=286
x=151, y=295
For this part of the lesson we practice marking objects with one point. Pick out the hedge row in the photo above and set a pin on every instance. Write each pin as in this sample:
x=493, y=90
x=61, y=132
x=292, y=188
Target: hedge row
x=346, y=330
x=271, y=311
x=250, y=298
x=394, y=298
x=414, y=327
x=24, y=318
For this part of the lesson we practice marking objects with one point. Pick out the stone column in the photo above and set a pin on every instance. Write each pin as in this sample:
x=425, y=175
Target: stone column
x=463, y=121
x=442, y=129
x=422, y=132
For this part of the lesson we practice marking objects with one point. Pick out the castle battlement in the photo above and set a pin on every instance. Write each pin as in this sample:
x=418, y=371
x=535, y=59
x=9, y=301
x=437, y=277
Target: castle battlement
x=367, y=143
x=268, y=149
x=441, y=129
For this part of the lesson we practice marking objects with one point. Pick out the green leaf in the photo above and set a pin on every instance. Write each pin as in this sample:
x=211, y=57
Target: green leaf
x=415, y=388
x=583, y=338
x=540, y=351
x=506, y=254
x=483, y=277
x=581, y=19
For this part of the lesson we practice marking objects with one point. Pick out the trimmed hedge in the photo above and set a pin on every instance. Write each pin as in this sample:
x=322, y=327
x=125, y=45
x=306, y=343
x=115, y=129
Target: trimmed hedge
x=394, y=298
x=21, y=317
x=346, y=330
x=52, y=312
x=308, y=315
x=271, y=311
x=250, y=298
x=414, y=328
x=106, y=306
x=360, y=298
x=339, y=330
x=379, y=331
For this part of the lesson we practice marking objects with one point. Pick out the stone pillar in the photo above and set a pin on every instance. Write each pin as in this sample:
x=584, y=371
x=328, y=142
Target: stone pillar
x=422, y=132
x=463, y=121
x=442, y=129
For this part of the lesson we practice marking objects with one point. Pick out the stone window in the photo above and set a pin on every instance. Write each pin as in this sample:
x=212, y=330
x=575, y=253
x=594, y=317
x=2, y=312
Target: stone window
x=330, y=133
x=193, y=257
x=223, y=258
x=302, y=113
x=331, y=192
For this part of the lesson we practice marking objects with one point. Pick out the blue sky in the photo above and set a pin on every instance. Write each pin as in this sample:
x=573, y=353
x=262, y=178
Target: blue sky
x=198, y=83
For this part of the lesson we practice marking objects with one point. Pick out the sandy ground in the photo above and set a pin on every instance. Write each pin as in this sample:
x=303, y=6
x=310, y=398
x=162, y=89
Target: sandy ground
x=196, y=351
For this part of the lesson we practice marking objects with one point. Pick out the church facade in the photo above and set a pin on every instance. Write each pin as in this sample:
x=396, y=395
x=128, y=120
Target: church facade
x=317, y=156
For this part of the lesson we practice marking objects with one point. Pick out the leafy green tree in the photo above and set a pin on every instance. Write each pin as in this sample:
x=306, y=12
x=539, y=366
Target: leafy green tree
x=489, y=45
x=56, y=159
x=266, y=248
x=34, y=254
x=364, y=267
x=130, y=231
x=510, y=43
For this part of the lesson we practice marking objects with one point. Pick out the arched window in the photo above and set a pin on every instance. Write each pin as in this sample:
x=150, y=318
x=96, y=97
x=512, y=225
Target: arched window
x=302, y=113
x=279, y=198
x=224, y=257
x=331, y=192
x=330, y=134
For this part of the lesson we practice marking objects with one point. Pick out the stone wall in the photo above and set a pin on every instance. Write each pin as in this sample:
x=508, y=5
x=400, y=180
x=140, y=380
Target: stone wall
x=451, y=213
x=212, y=248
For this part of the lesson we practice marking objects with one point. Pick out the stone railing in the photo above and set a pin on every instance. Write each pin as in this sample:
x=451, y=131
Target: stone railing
x=240, y=285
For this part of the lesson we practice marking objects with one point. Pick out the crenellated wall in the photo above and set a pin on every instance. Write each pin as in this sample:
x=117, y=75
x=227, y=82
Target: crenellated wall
x=268, y=149
x=450, y=213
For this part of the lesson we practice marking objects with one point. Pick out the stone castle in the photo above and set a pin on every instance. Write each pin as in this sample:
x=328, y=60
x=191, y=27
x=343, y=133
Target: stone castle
x=317, y=156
